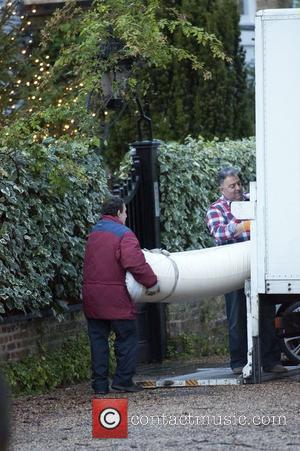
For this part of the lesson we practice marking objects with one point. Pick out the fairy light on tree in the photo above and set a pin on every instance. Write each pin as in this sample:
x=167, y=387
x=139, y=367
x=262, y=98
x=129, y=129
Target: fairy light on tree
x=15, y=68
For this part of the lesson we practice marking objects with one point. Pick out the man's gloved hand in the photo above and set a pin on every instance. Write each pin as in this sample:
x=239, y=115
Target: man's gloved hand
x=152, y=290
x=246, y=226
x=243, y=226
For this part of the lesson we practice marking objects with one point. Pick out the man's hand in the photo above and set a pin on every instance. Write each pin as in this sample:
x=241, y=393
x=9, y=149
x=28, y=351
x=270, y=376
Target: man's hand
x=246, y=226
x=243, y=226
x=152, y=290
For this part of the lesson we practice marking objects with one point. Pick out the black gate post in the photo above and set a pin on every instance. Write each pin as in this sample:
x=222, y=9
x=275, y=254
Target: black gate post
x=149, y=235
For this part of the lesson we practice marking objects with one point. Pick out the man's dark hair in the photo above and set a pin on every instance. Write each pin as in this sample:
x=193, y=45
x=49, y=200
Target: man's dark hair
x=227, y=172
x=112, y=205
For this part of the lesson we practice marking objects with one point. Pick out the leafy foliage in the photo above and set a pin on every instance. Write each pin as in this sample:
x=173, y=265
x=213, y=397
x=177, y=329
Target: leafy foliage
x=18, y=62
x=85, y=49
x=51, y=369
x=188, y=185
x=180, y=101
x=50, y=193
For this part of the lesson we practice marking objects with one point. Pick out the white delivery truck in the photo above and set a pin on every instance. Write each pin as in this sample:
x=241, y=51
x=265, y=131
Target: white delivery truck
x=275, y=206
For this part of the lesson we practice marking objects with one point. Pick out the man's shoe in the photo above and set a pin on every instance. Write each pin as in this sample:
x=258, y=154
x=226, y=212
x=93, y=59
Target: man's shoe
x=128, y=389
x=238, y=370
x=275, y=369
x=101, y=392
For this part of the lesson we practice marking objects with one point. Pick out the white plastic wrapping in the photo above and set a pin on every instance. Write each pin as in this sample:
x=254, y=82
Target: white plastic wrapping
x=194, y=275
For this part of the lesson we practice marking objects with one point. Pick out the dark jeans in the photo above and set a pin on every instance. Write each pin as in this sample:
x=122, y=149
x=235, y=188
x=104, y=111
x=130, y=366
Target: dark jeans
x=4, y=415
x=126, y=345
x=237, y=324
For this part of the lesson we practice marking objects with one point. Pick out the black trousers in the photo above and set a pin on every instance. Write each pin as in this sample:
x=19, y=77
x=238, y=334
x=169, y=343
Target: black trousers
x=237, y=324
x=126, y=346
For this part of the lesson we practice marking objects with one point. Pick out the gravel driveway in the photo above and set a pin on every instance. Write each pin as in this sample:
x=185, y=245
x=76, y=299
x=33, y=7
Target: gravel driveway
x=262, y=417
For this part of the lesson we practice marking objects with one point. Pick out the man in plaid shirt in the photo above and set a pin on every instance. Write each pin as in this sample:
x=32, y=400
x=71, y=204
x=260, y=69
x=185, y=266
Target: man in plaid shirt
x=226, y=229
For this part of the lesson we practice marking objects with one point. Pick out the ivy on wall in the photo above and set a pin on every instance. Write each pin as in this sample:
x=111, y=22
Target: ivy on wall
x=49, y=198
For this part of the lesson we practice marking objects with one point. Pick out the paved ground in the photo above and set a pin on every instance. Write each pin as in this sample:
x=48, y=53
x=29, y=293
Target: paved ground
x=239, y=417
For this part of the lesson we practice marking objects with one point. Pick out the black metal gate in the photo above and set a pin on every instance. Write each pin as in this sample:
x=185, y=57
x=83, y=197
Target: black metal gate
x=141, y=196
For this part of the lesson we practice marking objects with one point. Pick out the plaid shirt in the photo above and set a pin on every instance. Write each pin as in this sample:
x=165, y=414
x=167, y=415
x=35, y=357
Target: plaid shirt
x=222, y=224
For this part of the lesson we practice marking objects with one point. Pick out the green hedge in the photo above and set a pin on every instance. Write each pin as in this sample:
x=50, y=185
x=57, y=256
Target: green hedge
x=188, y=185
x=50, y=369
x=49, y=197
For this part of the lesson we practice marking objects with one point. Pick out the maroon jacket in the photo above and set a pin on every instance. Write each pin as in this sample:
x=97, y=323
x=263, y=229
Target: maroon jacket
x=111, y=250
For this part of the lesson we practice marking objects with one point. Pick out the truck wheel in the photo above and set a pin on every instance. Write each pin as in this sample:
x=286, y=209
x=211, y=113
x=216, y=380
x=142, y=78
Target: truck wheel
x=291, y=345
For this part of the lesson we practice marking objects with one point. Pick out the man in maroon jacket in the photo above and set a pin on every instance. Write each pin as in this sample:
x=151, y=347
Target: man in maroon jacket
x=111, y=250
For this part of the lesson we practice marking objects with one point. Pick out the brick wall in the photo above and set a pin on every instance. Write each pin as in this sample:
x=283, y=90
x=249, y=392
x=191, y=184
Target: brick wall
x=190, y=318
x=19, y=338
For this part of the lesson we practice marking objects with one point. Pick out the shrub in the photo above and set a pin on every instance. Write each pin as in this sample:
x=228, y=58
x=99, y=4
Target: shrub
x=49, y=197
x=188, y=185
x=51, y=369
x=181, y=102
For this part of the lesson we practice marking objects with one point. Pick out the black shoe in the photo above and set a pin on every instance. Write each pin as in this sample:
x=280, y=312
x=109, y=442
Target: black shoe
x=238, y=370
x=128, y=389
x=275, y=369
x=101, y=392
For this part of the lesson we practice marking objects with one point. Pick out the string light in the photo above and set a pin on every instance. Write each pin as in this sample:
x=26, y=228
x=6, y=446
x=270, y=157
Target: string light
x=42, y=70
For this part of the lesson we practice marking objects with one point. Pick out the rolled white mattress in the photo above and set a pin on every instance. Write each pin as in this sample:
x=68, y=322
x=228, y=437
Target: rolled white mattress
x=194, y=275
